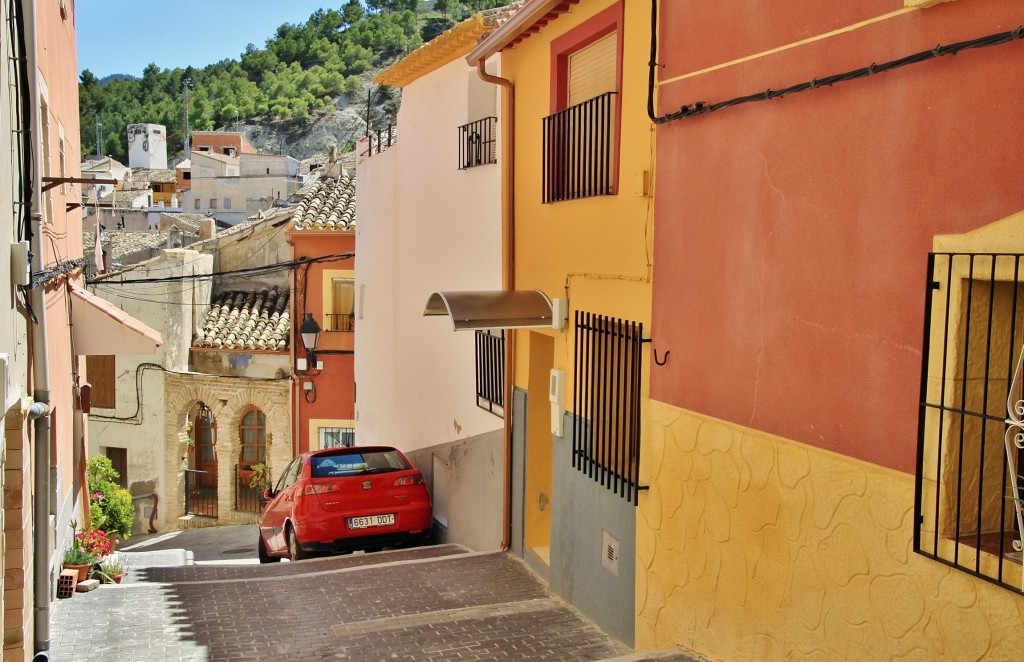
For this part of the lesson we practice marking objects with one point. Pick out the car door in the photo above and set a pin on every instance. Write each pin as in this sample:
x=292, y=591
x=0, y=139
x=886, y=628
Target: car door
x=279, y=508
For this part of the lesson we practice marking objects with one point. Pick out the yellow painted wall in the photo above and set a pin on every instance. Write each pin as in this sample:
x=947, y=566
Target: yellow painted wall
x=600, y=247
x=753, y=547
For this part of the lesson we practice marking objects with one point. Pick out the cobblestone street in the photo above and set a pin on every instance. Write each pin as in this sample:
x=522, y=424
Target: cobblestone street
x=432, y=603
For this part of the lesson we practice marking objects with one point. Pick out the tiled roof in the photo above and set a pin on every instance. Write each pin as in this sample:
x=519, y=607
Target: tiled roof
x=154, y=175
x=185, y=221
x=247, y=320
x=330, y=205
x=119, y=243
x=121, y=199
x=446, y=47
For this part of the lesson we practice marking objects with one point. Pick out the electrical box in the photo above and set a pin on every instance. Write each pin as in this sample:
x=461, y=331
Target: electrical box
x=307, y=386
x=556, y=396
x=559, y=313
x=21, y=268
x=300, y=365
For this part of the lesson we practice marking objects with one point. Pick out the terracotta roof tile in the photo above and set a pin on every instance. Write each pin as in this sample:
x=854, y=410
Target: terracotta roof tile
x=247, y=320
x=329, y=205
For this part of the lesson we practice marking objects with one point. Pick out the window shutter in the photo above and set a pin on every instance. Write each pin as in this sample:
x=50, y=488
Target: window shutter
x=592, y=70
x=99, y=370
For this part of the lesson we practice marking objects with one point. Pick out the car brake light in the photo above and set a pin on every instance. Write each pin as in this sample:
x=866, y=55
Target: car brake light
x=325, y=488
x=408, y=480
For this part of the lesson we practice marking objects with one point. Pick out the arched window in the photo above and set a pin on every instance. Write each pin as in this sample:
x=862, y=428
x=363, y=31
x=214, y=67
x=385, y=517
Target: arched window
x=252, y=432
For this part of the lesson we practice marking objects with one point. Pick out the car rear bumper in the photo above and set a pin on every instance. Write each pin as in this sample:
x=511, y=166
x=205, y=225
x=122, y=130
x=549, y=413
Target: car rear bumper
x=351, y=543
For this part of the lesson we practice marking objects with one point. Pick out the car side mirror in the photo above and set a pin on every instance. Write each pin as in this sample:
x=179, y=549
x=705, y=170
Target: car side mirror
x=269, y=493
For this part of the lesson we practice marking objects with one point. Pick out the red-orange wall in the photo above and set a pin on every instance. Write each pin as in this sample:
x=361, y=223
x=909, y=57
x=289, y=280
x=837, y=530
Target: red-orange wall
x=792, y=235
x=335, y=385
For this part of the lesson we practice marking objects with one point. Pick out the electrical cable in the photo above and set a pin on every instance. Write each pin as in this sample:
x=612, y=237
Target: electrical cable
x=235, y=273
x=136, y=418
x=702, y=107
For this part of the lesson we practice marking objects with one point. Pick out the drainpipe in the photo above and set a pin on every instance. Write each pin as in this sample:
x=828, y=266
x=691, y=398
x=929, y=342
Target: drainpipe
x=508, y=241
x=39, y=413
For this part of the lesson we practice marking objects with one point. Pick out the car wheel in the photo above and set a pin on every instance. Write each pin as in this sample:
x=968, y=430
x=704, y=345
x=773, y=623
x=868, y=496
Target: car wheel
x=261, y=551
x=295, y=552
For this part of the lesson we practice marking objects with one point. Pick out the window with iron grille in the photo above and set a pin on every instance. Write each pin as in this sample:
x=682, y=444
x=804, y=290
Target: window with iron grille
x=490, y=371
x=607, y=365
x=477, y=143
x=337, y=437
x=968, y=483
x=252, y=434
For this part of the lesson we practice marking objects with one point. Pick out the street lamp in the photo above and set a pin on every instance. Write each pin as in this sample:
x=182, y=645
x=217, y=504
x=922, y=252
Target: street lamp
x=310, y=332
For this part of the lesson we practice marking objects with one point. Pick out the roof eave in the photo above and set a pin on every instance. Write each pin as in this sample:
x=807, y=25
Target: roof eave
x=513, y=29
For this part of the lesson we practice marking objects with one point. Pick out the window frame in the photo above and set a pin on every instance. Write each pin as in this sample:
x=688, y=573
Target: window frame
x=258, y=445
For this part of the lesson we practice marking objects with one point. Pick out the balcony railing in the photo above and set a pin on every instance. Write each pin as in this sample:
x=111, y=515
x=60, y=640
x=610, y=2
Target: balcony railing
x=340, y=322
x=477, y=143
x=579, y=149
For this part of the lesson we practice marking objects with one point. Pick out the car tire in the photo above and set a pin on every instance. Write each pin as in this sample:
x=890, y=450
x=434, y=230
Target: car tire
x=261, y=551
x=295, y=553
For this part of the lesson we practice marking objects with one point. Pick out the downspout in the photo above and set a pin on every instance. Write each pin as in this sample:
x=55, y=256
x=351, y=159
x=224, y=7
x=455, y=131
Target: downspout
x=508, y=242
x=40, y=411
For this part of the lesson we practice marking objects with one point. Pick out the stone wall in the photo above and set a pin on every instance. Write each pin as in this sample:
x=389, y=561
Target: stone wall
x=228, y=398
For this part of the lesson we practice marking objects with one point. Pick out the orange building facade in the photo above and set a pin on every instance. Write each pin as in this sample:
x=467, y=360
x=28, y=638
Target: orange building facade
x=825, y=444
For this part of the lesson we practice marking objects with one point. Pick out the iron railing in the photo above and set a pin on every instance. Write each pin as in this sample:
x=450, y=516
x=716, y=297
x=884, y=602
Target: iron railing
x=200, y=493
x=248, y=499
x=340, y=322
x=968, y=485
x=477, y=143
x=381, y=139
x=578, y=150
x=606, y=438
x=490, y=371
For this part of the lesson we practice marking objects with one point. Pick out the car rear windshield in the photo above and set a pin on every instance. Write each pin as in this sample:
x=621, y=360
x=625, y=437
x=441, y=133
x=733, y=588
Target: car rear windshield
x=355, y=464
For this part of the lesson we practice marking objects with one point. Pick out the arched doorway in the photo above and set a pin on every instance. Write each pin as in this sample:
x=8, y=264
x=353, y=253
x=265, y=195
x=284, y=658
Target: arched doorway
x=201, y=477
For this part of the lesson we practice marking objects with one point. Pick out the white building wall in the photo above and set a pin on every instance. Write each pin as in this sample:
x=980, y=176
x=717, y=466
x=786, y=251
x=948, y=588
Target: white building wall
x=147, y=146
x=425, y=226
x=138, y=422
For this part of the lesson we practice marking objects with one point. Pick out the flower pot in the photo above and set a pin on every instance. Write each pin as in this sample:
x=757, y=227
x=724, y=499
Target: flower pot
x=116, y=578
x=82, y=570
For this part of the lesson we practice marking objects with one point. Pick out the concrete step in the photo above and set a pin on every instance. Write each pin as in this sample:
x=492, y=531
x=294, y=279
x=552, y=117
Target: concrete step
x=667, y=655
x=197, y=522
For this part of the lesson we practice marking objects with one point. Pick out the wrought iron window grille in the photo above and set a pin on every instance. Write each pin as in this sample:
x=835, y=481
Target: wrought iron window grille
x=608, y=365
x=490, y=371
x=579, y=150
x=968, y=486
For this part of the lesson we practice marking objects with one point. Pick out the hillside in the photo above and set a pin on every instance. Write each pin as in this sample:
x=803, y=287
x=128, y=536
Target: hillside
x=308, y=88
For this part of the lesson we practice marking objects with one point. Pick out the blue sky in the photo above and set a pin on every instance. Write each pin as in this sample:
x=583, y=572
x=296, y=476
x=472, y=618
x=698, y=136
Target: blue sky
x=123, y=36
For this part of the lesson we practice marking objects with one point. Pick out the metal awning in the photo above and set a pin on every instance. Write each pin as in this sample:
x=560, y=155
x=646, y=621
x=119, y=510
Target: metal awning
x=99, y=328
x=492, y=309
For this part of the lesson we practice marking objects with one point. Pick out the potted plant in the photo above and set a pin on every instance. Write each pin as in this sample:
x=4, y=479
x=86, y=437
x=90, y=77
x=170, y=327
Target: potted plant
x=260, y=477
x=112, y=570
x=79, y=560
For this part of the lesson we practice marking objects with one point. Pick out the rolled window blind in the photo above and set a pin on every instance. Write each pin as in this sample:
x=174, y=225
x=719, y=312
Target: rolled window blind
x=592, y=70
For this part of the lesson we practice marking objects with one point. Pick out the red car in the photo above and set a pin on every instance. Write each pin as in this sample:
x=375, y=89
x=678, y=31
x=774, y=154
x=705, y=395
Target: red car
x=342, y=499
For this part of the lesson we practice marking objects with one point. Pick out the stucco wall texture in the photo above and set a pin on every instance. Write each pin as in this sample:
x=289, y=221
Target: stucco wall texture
x=753, y=547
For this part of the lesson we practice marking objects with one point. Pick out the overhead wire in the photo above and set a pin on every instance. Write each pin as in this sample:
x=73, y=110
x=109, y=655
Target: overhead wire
x=703, y=107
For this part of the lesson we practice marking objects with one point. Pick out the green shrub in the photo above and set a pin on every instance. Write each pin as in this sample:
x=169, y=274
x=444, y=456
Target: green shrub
x=110, y=505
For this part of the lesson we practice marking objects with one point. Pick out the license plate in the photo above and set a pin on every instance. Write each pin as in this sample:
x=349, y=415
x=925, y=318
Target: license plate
x=372, y=520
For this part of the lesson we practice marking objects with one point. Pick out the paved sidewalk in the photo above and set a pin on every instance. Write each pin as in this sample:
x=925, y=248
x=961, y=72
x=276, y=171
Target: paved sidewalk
x=438, y=603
